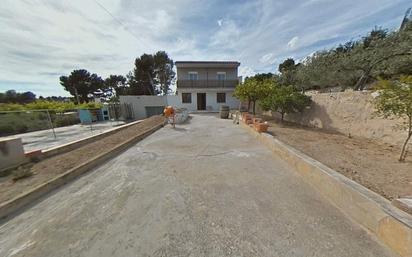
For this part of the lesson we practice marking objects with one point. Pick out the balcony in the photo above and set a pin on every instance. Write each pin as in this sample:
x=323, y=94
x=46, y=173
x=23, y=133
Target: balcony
x=207, y=83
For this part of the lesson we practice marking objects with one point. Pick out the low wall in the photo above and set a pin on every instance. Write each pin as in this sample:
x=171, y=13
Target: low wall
x=351, y=113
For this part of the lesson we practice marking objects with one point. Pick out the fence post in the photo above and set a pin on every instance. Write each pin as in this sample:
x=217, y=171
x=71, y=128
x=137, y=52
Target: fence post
x=51, y=124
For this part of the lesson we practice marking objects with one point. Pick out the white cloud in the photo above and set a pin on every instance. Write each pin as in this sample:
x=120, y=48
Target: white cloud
x=227, y=35
x=292, y=43
x=268, y=59
x=246, y=71
x=41, y=39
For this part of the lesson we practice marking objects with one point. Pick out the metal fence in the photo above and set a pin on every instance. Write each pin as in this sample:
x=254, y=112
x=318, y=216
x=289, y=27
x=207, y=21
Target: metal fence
x=43, y=129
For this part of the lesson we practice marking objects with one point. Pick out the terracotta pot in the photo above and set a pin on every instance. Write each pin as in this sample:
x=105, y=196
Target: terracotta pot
x=247, y=117
x=249, y=121
x=257, y=120
x=261, y=127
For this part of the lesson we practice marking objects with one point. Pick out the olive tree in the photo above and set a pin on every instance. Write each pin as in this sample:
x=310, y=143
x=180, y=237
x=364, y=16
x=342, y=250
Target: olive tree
x=285, y=99
x=395, y=99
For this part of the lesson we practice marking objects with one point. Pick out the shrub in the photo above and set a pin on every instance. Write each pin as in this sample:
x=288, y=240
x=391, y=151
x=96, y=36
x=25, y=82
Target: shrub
x=66, y=120
x=21, y=128
x=285, y=100
x=6, y=129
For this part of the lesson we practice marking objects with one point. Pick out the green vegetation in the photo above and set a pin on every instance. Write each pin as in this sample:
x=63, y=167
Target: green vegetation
x=285, y=99
x=395, y=99
x=48, y=105
x=152, y=75
x=22, y=118
x=80, y=83
x=271, y=95
x=253, y=90
x=11, y=96
x=354, y=64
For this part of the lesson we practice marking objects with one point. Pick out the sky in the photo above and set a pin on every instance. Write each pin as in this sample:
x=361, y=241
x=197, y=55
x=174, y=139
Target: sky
x=40, y=40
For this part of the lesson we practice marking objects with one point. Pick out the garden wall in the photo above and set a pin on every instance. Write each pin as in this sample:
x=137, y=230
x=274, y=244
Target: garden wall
x=349, y=112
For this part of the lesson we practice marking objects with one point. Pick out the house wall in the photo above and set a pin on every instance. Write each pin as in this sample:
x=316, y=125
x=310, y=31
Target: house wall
x=207, y=73
x=139, y=103
x=211, y=99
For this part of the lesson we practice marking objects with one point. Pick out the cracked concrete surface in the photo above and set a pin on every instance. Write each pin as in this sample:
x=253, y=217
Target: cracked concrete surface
x=206, y=188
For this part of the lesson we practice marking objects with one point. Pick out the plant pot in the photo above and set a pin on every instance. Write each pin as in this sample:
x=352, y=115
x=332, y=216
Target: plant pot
x=257, y=120
x=261, y=127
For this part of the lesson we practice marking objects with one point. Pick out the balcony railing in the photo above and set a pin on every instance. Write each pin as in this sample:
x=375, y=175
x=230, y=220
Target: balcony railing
x=207, y=83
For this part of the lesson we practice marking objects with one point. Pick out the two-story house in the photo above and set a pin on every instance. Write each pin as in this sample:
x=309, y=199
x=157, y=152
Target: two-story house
x=206, y=85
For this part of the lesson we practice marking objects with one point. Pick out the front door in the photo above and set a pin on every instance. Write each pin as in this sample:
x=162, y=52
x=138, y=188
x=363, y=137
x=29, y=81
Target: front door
x=201, y=101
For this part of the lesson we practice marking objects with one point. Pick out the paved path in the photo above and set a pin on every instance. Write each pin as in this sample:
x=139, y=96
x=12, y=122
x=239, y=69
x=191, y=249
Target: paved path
x=204, y=189
x=44, y=139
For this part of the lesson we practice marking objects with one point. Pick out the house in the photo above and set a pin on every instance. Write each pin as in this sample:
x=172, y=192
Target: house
x=206, y=85
x=200, y=86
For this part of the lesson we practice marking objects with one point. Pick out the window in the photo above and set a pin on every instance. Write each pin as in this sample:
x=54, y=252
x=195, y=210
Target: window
x=221, y=75
x=192, y=75
x=186, y=98
x=221, y=97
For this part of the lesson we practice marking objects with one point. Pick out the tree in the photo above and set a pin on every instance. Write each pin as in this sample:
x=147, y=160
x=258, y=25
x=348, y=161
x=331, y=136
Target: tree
x=26, y=97
x=285, y=99
x=116, y=83
x=356, y=63
x=374, y=36
x=253, y=90
x=288, y=70
x=395, y=99
x=164, y=71
x=11, y=96
x=152, y=74
x=80, y=83
x=143, y=81
x=262, y=76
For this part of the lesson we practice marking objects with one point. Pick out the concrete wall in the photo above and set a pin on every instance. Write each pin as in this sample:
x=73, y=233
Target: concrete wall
x=349, y=112
x=139, y=103
x=11, y=152
x=207, y=73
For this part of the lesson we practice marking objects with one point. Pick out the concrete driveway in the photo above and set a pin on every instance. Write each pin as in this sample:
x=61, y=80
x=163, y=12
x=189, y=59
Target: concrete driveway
x=44, y=139
x=206, y=188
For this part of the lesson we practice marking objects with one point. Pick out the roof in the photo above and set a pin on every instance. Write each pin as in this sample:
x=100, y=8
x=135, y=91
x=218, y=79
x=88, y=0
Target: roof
x=187, y=64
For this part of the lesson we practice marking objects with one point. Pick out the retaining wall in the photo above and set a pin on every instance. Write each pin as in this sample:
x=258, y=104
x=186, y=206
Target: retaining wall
x=349, y=112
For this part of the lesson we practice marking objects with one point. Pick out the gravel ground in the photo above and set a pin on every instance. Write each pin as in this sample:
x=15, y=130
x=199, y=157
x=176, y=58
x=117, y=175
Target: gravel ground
x=372, y=164
x=56, y=165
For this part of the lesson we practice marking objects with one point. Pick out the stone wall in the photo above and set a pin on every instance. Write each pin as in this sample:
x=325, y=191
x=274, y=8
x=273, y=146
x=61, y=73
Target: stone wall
x=349, y=112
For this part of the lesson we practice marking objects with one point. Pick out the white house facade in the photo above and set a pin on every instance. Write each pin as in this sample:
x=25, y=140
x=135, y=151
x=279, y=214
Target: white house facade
x=200, y=86
x=206, y=85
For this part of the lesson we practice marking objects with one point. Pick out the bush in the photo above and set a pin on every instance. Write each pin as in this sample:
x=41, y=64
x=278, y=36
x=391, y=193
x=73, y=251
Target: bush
x=21, y=128
x=49, y=105
x=66, y=120
x=285, y=99
x=6, y=129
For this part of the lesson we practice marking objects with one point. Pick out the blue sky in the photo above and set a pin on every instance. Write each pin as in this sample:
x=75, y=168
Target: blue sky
x=43, y=39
